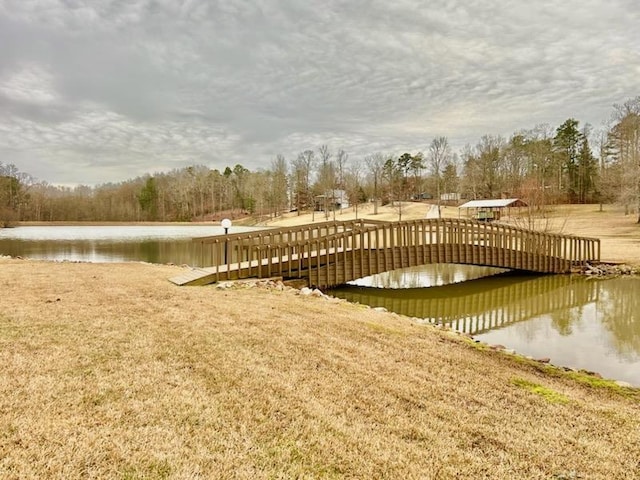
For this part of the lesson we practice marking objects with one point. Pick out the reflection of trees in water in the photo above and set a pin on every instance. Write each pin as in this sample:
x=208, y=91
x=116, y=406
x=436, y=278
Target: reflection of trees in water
x=179, y=251
x=619, y=312
x=564, y=320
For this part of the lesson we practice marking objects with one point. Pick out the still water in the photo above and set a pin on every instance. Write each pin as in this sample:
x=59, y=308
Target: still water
x=574, y=321
x=153, y=244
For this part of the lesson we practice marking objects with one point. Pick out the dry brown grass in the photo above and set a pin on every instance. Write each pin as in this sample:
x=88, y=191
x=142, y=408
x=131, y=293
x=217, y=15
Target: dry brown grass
x=110, y=371
x=619, y=233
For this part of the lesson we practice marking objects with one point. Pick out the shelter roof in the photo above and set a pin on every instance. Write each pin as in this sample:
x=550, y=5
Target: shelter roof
x=494, y=203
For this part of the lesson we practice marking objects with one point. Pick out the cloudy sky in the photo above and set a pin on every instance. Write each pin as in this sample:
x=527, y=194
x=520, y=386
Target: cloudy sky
x=96, y=91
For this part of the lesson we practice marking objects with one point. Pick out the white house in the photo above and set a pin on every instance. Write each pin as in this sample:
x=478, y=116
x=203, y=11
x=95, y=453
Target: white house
x=331, y=200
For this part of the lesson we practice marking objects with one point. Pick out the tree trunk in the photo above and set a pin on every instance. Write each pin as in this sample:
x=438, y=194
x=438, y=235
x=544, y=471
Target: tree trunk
x=638, y=193
x=638, y=199
x=375, y=195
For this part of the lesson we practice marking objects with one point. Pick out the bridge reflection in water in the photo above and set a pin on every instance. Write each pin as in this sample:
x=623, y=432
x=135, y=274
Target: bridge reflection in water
x=477, y=306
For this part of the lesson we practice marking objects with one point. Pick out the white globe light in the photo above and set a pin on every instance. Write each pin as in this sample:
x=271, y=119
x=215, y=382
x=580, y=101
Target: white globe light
x=225, y=223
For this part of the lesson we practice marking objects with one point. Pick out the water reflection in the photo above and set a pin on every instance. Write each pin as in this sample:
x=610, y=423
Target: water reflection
x=419, y=277
x=478, y=305
x=99, y=251
x=153, y=244
x=574, y=321
x=619, y=312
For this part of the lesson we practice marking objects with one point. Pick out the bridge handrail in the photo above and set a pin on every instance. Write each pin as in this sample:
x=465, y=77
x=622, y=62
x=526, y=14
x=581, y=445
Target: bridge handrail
x=274, y=231
x=287, y=245
x=375, y=225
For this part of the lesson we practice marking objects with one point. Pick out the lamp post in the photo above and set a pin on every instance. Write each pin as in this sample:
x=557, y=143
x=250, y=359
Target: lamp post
x=226, y=224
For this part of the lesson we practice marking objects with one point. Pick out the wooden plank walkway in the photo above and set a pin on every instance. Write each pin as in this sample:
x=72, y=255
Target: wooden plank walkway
x=333, y=253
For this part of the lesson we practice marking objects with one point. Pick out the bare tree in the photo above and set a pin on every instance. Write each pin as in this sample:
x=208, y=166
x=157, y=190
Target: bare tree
x=624, y=150
x=439, y=156
x=482, y=167
x=416, y=166
x=353, y=184
x=375, y=164
x=515, y=163
x=341, y=161
x=278, y=197
x=326, y=178
x=607, y=173
x=301, y=173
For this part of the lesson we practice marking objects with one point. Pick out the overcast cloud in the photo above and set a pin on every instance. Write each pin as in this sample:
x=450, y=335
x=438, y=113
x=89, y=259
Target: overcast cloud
x=95, y=91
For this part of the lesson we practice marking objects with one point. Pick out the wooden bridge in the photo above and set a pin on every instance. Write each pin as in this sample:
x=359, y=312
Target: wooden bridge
x=333, y=253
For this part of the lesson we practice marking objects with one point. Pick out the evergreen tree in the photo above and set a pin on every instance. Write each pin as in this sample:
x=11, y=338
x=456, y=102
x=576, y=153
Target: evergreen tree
x=567, y=146
x=148, y=199
x=587, y=171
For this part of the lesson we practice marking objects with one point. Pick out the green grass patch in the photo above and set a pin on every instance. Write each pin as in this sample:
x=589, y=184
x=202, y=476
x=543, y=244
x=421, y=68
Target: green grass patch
x=603, y=383
x=582, y=377
x=549, y=395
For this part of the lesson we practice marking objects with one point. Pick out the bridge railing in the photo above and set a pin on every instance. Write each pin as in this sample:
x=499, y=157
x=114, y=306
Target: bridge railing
x=363, y=248
x=228, y=249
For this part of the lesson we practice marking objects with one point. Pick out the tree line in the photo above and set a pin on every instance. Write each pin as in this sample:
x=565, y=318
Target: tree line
x=543, y=165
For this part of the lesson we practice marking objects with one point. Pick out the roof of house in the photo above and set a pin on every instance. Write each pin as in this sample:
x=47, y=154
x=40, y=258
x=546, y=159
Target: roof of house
x=333, y=193
x=494, y=203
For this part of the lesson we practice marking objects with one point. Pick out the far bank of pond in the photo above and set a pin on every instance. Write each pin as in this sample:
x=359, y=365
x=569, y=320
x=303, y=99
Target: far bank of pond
x=574, y=321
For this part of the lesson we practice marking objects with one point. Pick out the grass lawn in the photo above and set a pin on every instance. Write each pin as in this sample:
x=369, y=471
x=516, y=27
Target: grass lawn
x=110, y=371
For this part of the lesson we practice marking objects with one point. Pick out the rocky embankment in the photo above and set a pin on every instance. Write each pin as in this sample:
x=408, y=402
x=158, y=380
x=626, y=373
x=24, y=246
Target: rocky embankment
x=609, y=270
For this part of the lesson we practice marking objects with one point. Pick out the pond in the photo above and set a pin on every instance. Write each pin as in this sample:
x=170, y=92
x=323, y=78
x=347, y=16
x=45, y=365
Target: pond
x=573, y=321
x=111, y=243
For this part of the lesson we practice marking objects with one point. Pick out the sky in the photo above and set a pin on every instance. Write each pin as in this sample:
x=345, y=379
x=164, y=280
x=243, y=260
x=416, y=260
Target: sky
x=99, y=91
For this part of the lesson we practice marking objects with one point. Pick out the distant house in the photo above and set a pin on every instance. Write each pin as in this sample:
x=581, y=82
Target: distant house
x=489, y=210
x=422, y=196
x=450, y=197
x=331, y=200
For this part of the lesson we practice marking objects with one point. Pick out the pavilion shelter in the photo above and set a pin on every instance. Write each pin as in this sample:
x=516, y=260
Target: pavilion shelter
x=490, y=209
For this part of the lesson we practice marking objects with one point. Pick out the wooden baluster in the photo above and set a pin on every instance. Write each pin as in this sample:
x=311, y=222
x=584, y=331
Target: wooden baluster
x=392, y=242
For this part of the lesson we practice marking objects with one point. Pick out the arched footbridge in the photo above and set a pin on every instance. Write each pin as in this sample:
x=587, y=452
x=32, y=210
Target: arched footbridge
x=333, y=253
